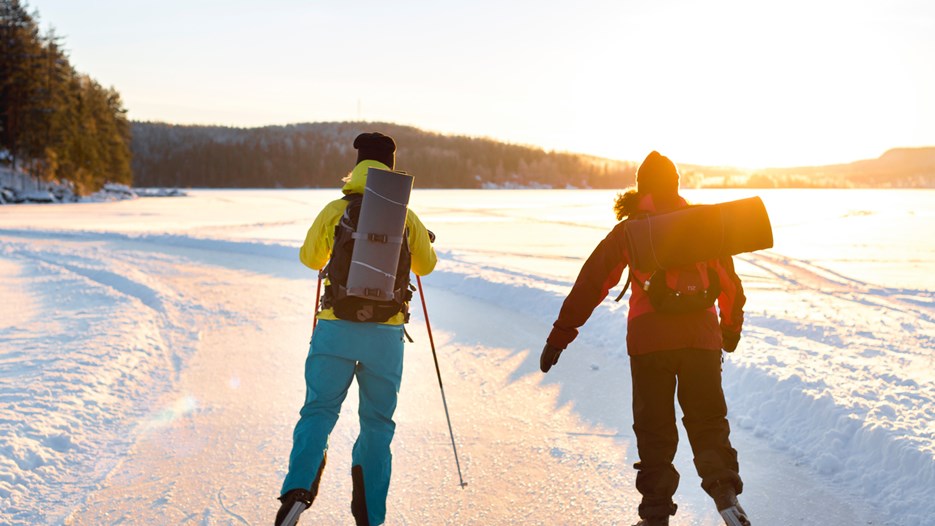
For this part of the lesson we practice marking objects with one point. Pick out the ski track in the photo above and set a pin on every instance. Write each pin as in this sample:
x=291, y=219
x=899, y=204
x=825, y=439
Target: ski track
x=464, y=259
x=533, y=218
x=141, y=330
x=499, y=213
x=844, y=450
x=227, y=510
x=802, y=274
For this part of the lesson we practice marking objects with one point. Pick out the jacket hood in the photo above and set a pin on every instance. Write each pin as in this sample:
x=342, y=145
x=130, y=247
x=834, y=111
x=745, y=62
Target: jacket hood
x=356, y=181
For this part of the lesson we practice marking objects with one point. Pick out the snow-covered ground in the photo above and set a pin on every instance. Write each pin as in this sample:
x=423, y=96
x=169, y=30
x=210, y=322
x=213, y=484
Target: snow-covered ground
x=151, y=357
x=17, y=187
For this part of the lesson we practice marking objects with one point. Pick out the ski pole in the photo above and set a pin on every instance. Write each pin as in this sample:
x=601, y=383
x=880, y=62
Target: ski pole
x=317, y=296
x=439, y=375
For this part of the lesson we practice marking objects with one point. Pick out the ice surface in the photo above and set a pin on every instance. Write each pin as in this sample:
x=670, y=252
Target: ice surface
x=151, y=357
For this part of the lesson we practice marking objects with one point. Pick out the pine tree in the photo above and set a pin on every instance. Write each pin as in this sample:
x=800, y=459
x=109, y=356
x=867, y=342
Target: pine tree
x=20, y=56
x=55, y=122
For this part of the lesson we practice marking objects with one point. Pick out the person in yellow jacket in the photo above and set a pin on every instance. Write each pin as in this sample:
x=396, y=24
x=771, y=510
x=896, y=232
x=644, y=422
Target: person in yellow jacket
x=342, y=350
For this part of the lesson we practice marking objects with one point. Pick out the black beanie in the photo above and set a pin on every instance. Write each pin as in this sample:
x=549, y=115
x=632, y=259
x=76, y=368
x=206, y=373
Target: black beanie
x=657, y=174
x=375, y=146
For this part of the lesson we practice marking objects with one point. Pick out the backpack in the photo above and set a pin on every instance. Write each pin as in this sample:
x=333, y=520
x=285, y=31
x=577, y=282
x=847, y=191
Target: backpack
x=353, y=308
x=684, y=289
x=681, y=289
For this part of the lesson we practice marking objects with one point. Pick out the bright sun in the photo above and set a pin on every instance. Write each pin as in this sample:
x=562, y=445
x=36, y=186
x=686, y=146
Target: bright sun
x=754, y=89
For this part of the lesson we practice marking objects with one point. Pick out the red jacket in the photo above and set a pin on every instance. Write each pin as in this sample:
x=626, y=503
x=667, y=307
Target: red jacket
x=647, y=329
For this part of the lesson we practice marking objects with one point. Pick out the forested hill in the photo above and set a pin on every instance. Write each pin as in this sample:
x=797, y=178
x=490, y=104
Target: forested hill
x=896, y=168
x=320, y=154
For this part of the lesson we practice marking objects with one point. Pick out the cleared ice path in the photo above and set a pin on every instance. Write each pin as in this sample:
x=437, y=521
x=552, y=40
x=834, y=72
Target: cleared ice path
x=535, y=449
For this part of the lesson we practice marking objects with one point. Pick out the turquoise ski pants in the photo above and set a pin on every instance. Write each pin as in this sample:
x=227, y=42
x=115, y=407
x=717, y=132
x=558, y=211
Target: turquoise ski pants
x=340, y=351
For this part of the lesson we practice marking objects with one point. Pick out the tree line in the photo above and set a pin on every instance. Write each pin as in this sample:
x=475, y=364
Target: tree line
x=56, y=123
x=320, y=154
x=896, y=168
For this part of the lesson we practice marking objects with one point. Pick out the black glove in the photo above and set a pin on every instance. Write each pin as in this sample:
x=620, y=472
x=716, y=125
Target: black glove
x=730, y=340
x=549, y=357
x=431, y=235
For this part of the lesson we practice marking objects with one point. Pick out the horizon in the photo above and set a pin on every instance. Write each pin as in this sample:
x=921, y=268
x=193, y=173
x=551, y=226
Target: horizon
x=804, y=85
x=725, y=166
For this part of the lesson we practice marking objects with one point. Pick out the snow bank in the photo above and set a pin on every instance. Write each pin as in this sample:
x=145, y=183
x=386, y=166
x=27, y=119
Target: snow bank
x=889, y=467
x=159, y=192
x=17, y=187
x=90, y=341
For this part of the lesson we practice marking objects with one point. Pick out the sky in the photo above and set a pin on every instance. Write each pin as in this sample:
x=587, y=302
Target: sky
x=721, y=82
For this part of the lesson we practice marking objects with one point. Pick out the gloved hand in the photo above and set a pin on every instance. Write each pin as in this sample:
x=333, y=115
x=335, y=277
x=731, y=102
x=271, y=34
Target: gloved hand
x=730, y=340
x=549, y=357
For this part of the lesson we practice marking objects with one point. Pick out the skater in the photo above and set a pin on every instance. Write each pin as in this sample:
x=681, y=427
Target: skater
x=671, y=353
x=341, y=350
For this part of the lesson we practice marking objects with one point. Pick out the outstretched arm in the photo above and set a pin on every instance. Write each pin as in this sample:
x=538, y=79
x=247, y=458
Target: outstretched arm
x=600, y=272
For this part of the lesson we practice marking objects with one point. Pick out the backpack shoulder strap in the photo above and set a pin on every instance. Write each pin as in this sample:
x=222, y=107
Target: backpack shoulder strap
x=353, y=198
x=627, y=286
x=353, y=202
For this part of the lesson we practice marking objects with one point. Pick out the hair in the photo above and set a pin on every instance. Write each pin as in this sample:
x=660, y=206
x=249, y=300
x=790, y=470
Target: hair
x=626, y=203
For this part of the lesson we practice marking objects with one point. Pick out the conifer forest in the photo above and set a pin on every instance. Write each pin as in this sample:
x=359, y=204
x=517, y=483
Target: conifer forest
x=56, y=123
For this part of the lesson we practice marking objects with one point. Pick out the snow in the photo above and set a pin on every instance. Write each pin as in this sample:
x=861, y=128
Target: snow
x=18, y=187
x=152, y=355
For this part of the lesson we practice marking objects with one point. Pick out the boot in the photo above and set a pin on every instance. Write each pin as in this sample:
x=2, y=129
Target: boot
x=725, y=498
x=293, y=496
x=358, y=497
x=303, y=497
x=653, y=521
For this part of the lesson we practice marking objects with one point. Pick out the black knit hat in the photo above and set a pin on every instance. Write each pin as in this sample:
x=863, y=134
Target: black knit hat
x=657, y=174
x=375, y=146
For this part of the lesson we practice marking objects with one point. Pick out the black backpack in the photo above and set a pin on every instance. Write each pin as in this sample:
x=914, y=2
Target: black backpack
x=354, y=308
x=690, y=293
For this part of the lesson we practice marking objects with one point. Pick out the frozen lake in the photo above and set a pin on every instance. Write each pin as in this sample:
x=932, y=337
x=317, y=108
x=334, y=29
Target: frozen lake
x=151, y=363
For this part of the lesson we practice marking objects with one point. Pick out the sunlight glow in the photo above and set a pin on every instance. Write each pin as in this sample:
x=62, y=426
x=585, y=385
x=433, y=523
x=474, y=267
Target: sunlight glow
x=181, y=407
x=718, y=83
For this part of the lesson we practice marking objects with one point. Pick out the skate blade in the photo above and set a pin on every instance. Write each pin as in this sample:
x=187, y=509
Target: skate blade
x=733, y=517
x=293, y=517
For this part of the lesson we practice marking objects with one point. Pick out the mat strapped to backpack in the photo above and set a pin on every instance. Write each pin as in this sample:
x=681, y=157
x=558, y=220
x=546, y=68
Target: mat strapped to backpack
x=344, y=302
x=697, y=285
x=697, y=233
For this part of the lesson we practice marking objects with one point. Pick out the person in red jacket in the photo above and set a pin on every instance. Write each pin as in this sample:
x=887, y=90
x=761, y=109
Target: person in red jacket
x=671, y=354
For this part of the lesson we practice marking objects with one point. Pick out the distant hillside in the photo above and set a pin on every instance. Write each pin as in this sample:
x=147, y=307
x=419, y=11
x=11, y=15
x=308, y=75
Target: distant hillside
x=320, y=154
x=897, y=168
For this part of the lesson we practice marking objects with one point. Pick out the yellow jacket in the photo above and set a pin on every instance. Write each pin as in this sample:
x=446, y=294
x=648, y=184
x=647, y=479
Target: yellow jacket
x=319, y=241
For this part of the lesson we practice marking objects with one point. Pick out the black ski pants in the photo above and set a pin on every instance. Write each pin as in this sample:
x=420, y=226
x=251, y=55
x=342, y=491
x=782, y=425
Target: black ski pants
x=695, y=376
